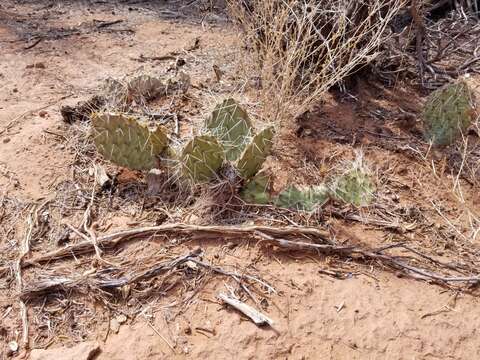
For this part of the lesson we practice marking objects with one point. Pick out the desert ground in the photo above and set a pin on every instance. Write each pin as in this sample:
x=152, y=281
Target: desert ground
x=55, y=54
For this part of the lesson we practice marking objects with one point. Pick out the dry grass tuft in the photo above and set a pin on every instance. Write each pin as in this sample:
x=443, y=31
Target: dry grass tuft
x=306, y=47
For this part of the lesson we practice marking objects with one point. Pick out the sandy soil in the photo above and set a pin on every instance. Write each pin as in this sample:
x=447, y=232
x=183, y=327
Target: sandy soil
x=370, y=314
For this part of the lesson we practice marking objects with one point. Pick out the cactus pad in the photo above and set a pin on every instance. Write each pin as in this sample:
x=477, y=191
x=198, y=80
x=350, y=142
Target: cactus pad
x=145, y=87
x=232, y=126
x=255, y=153
x=142, y=88
x=127, y=141
x=354, y=187
x=201, y=158
x=305, y=199
x=257, y=190
x=448, y=113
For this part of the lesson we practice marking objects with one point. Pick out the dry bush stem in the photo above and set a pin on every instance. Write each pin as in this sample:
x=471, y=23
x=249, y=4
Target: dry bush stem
x=306, y=47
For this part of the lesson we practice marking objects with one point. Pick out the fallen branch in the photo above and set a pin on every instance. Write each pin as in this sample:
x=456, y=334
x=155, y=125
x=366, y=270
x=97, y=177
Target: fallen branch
x=256, y=316
x=225, y=232
x=24, y=250
x=268, y=235
x=376, y=255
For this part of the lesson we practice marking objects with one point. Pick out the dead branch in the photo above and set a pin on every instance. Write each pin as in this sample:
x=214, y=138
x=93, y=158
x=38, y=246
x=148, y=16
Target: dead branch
x=376, y=255
x=224, y=232
x=267, y=235
x=256, y=316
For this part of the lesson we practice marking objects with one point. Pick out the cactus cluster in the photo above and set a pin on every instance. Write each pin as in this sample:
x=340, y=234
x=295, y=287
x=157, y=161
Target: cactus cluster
x=228, y=138
x=354, y=187
x=228, y=135
x=448, y=113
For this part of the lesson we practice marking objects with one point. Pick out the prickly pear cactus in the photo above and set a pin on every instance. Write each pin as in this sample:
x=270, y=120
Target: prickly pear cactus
x=448, y=113
x=201, y=158
x=145, y=87
x=127, y=141
x=257, y=190
x=255, y=153
x=305, y=199
x=142, y=88
x=231, y=125
x=354, y=187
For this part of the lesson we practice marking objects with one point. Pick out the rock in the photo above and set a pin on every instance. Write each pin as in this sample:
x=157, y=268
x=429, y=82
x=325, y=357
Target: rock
x=121, y=319
x=42, y=113
x=115, y=325
x=82, y=351
x=101, y=176
x=12, y=347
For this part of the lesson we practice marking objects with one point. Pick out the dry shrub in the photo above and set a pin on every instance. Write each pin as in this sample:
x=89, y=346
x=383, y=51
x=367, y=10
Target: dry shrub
x=304, y=47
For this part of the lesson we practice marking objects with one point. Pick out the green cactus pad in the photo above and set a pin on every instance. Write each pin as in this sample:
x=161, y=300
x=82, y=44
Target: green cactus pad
x=305, y=199
x=354, y=187
x=448, y=113
x=127, y=141
x=256, y=191
x=255, y=153
x=201, y=158
x=232, y=126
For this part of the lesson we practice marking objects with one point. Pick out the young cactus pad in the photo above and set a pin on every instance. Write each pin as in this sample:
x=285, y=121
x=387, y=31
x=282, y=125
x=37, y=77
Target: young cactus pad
x=232, y=126
x=201, y=158
x=354, y=187
x=448, y=113
x=128, y=142
x=306, y=199
x=256, y=191
x=255, y=153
